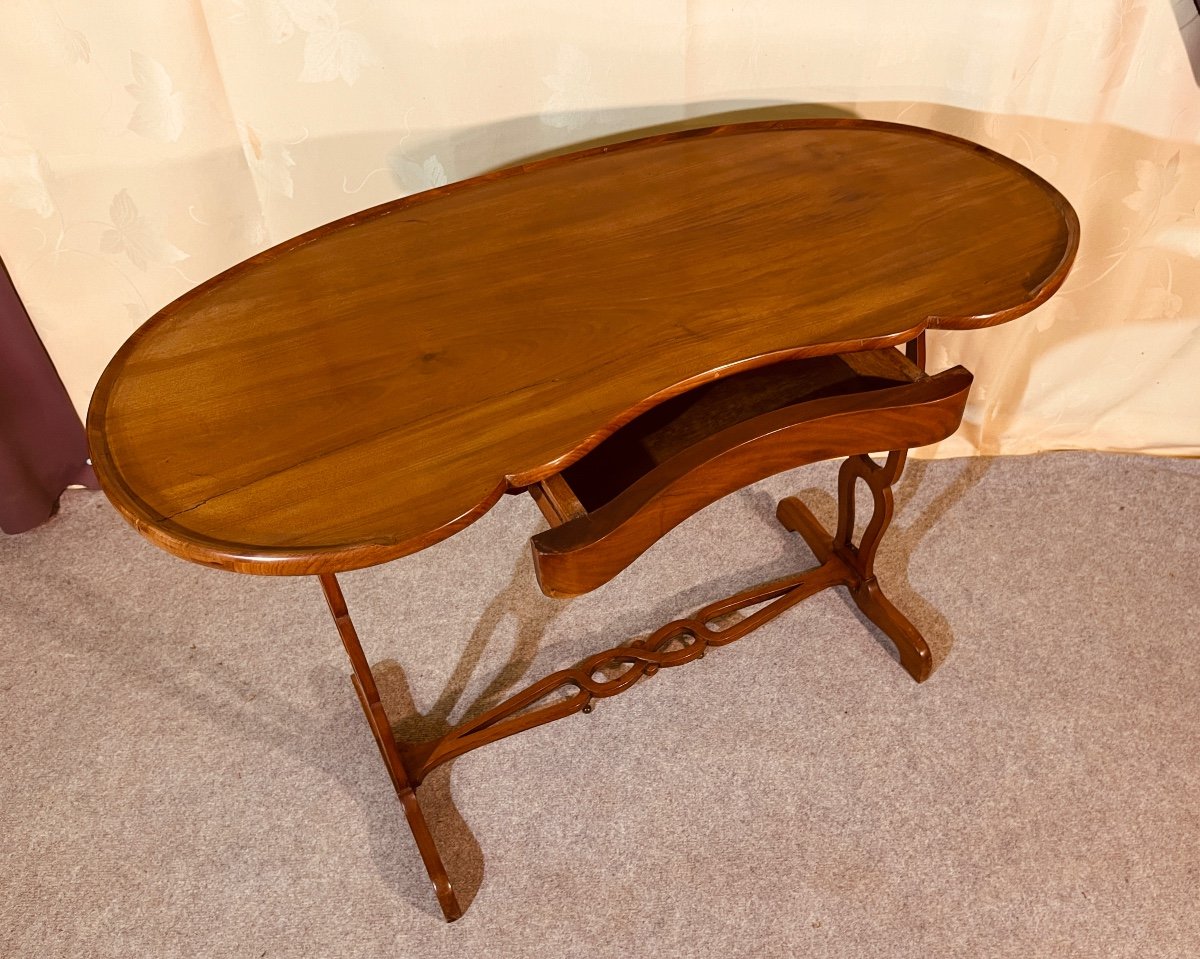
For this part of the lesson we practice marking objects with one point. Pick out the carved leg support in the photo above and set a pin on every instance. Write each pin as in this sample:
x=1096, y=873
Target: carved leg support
x=675, y=644
x=859, y=561
x=841, y=564
x=368, y=697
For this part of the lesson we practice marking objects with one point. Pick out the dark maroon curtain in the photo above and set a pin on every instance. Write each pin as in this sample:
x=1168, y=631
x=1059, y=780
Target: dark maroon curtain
x=42, y=445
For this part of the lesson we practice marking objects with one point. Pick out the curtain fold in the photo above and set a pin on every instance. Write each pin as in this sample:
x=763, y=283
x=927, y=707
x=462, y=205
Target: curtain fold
x=43, y=449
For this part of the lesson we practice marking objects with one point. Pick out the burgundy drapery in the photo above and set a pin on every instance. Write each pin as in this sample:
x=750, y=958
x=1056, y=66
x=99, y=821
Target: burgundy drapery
x=43, y=449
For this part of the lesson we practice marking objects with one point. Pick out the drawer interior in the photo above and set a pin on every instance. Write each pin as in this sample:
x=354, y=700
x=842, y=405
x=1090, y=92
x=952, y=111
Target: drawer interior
x=652, y=438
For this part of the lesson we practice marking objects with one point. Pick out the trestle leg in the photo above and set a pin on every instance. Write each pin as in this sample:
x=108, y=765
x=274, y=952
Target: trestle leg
x=841, y=563
x=859, y=560
x=377, y=719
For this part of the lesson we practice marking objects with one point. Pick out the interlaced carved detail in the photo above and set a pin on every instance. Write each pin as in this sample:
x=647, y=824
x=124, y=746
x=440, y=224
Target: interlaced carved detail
x=676, y=643
x=604, y=674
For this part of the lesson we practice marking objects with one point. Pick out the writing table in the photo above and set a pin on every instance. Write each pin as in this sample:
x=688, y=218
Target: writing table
x=626, y=333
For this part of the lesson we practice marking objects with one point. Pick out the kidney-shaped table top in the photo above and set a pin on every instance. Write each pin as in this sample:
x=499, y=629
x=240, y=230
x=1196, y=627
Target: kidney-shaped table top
x=366, y=389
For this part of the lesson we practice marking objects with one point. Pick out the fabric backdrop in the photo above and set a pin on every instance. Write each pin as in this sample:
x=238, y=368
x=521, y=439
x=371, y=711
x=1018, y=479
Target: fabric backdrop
x=145, y=146
x=42, y=446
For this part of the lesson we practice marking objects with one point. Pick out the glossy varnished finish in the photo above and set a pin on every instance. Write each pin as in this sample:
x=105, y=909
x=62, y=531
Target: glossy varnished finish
x=389, y=749
x=369, y=388
x=628, y=333
x=581, y=554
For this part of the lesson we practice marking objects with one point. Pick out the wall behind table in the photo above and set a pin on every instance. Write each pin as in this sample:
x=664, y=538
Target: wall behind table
x=146, y=146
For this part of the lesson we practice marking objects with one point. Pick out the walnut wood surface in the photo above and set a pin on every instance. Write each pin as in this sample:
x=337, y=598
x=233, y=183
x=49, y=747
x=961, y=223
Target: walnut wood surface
x=371, y=387
x=588, y=551
x=664, y=431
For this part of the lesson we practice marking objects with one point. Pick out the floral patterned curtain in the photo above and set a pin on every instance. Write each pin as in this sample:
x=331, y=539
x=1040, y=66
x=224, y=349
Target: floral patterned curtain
x=145, y=146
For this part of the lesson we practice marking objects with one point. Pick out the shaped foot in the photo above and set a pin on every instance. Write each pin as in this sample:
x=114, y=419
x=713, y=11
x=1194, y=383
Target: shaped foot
x=914, y=652
x=859, y=578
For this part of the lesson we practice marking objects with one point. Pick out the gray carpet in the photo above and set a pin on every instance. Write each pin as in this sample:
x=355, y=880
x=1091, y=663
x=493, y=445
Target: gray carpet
x=185, y=770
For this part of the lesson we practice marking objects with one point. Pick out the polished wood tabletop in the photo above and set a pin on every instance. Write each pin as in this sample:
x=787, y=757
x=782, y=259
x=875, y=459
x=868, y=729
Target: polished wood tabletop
x=366, y=389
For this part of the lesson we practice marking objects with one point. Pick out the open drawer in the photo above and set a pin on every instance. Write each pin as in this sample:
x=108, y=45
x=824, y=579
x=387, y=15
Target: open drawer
x=610, y=506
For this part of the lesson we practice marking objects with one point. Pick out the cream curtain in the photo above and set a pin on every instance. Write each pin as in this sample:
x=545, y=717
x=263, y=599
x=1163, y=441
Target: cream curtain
x=148, y=144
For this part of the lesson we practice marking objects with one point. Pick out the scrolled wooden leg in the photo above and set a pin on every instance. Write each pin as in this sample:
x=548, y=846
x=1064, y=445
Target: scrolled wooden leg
x=377, y=719
x=859, y=561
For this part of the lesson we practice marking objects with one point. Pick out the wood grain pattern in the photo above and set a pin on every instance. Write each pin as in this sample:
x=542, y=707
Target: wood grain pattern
x=369, y=388
x=586, y=552
x=665, y=431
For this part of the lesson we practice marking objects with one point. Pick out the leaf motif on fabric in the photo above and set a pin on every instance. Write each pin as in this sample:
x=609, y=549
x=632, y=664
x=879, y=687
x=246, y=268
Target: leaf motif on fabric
x=1121, y=43
x=330, y=54
x=435, y=173
x=74, y=45
x=1154, y=182
x=26, y=188
x=277, y=23
x=312, y=15
x=1181, y=237
x=131, y=234
x=270, y=163
x=1161, y=303
x=55, y=41
x=159, y=111
x=416, y=176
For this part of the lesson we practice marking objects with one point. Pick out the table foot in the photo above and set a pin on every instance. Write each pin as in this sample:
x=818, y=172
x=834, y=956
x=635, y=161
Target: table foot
x=915, y=655
x=858, y=561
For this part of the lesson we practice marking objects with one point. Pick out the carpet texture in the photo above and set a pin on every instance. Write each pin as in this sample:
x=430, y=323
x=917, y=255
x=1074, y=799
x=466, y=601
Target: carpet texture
x=185, y=771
